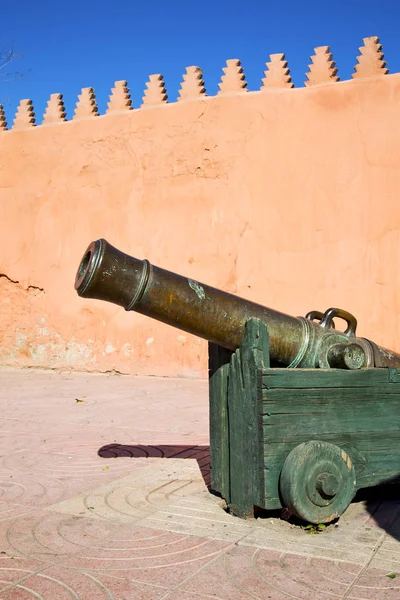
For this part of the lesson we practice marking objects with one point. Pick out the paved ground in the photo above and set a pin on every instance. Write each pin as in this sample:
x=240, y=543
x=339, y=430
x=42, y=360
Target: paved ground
x=103, y=497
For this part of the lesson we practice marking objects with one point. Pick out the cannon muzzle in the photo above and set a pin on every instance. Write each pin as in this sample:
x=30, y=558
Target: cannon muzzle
x=107, y=274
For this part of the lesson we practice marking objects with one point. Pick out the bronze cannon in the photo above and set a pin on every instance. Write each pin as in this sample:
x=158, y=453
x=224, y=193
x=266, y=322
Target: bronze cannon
x=302, y=415
x=107, y=274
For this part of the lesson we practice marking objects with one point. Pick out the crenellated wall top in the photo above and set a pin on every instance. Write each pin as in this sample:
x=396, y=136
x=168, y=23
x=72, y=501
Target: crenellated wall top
x=322, y=71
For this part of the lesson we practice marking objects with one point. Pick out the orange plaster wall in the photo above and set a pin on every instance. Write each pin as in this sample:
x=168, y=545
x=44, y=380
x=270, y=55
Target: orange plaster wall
x=286, y=197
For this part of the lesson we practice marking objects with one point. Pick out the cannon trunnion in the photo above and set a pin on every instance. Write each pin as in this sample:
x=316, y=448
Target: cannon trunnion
x=301, y=415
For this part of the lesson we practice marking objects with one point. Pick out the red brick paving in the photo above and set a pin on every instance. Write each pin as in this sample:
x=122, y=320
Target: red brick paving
x=55, y=451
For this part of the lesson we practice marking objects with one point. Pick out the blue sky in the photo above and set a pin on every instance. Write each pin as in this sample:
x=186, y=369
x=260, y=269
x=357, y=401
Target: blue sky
x=73, y=44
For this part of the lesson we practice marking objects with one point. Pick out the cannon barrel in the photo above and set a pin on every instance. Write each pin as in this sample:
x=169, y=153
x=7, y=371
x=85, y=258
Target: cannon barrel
x=107, y=274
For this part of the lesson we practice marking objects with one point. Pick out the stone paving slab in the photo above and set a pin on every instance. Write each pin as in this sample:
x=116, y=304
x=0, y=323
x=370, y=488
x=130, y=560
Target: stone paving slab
x=103, y=495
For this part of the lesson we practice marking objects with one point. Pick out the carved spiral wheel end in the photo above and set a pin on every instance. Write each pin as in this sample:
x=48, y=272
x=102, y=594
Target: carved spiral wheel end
x=317, y=482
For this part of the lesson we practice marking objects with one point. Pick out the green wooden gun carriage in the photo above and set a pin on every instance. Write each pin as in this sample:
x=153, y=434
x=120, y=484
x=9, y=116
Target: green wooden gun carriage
x=302, y=415
x=304, y=439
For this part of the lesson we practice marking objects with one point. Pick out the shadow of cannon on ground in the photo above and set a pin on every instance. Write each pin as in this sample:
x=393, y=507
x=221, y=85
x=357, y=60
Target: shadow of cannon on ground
x=382, y=501
x=383, y=504
x=199, y=453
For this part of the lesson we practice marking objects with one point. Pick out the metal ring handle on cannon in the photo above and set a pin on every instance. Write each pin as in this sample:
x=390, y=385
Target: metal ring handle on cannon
x=338, y=313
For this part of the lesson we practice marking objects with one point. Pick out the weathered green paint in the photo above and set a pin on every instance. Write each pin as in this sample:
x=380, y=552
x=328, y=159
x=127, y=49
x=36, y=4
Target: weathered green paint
x=245, y=428
x=218, y=363
x=360, y=414
x=317, y=482
x=325, y=378
x=270, y=412
x=394, y=375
